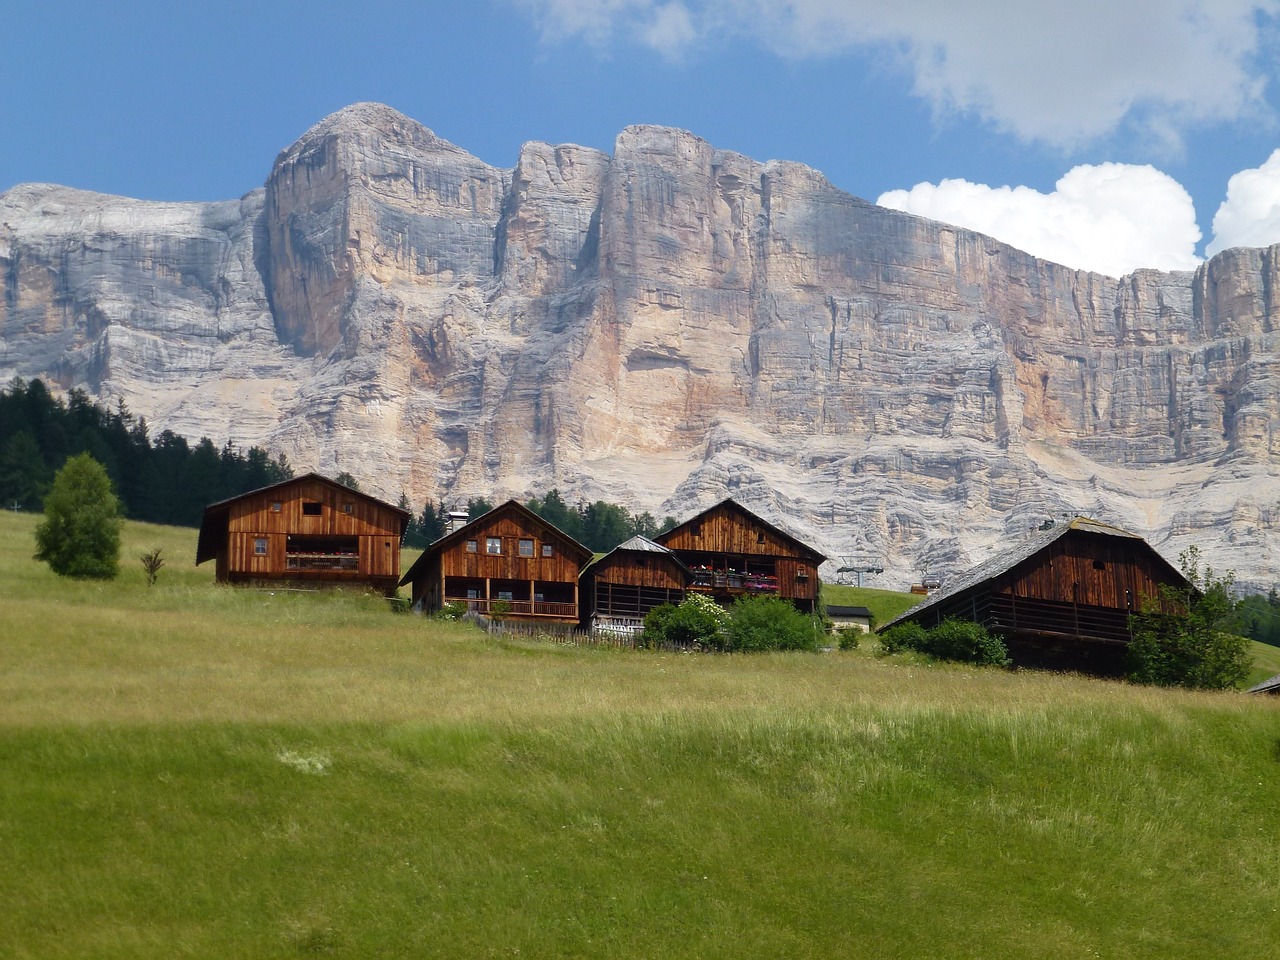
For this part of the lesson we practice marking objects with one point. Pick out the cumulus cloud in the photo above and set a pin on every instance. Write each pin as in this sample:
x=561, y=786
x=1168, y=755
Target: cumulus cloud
x=1250, y=216
x=1111, y=218
x=1060, y=73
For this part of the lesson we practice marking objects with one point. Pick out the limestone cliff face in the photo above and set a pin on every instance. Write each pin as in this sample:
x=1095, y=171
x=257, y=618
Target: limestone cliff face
x=661, y=327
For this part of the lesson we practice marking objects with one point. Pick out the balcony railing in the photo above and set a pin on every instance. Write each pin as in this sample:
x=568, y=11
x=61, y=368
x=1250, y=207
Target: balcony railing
x=520, y=608
x=322, y=562
x=744, y=582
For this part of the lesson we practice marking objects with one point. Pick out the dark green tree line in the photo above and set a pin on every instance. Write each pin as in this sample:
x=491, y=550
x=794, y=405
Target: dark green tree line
x=165, y=480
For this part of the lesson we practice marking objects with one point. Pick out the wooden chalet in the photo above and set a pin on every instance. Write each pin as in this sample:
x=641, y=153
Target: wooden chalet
x=1061, y=598
x=307, y=530
x=618, y=590
x=732, y=553
x=510, y=557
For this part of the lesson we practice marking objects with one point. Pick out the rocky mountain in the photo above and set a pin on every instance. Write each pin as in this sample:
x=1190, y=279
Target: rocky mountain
x=663, y=327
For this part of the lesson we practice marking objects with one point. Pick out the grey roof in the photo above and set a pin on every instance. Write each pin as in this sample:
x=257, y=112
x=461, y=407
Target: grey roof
x=1002, y=562
x=1267, y=686
x=639, y=544
x=643, y=544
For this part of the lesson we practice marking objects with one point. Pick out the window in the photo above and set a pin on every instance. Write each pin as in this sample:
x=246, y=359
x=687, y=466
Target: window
x=310, y=508
x=471, y=546
x=473, y=594
x=346, y=507
x=526, y=548
x=493, y=545
x=696, y=530
x=505, y=595
x=546, y=550
x=276, y=506
x=259, y=546
x=1099, y=565
x=760, y=537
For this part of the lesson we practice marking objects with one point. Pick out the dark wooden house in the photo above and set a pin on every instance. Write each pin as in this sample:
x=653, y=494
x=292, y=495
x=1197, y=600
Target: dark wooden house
x=732, y=552
x=618, y=590
x=510, y=557
x=1063, y=597
x=309, y=529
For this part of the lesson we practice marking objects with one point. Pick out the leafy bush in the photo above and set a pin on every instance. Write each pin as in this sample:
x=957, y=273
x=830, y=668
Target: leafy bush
x=452, y=610
x=960, y=640
x=697, y=620
x=1186, y=636
x=80, y=533
x=770, y=623
x=848, y=638
x=905, y=636
x=966, y=642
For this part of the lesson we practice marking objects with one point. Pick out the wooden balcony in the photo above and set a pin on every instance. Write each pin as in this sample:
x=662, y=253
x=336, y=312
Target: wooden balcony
x=520, y=608
x=322, y=562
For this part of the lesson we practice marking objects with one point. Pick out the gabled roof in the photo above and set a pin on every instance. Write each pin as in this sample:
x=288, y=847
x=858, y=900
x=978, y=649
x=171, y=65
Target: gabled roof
x=1267, y=686
x=638, y=544
x=803, y=548
x=467, y=530
x=1004, y=562
x=213, y=525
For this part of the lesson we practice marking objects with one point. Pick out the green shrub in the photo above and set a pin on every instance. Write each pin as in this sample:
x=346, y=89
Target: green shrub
x=905, y=636
x=697, y=620
x=80, y=533
x=655, y=625
x=452, y=610
x=1187, y=636
x=966, y=642
x=960, y=640
x=770, y=623
x=848, y=638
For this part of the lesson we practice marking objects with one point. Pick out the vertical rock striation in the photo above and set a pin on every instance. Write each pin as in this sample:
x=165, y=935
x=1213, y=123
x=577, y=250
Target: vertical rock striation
x=661, y=327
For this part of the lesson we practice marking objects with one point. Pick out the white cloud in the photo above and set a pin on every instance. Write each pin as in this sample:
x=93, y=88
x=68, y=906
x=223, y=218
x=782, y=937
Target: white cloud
x=1250, y=216
x=671, y=30
x=1061, y=73
x=1110, y=218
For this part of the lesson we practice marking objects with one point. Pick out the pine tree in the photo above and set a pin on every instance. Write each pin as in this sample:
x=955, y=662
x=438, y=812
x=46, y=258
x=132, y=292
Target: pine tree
x=80, y=533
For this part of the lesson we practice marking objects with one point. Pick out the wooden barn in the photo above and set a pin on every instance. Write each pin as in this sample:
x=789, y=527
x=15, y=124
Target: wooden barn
x=510, y=557
x=620, y=588
x=1061, y=598
x=310, y=530
x=732, y=553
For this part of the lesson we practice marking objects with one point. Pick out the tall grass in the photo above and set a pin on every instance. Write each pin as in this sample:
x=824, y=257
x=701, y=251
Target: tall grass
x=190, y=770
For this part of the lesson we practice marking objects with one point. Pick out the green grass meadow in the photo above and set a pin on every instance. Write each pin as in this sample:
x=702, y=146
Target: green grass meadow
x=190, y=770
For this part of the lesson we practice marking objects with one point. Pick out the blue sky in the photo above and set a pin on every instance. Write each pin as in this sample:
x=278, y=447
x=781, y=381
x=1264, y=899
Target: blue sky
x=1144, y=109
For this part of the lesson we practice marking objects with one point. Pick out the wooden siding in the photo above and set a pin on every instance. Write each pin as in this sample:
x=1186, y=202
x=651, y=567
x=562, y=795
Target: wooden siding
x=1097, y=571
x=562, y=566
x=449, y=564
x=731, y=543
x=725, y=530
x=639, y=570
x=357, y=523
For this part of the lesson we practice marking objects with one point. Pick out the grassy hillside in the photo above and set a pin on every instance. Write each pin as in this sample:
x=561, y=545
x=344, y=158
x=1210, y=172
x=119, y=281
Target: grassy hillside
x=883, y=604
x=199, y=771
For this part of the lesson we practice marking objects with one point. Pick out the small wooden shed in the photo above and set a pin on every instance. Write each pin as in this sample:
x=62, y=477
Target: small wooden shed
x=509, y=561
x=732, y=552
x=1062, y=597
x=618, y=590
x=849, y=618
x=308, y=529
